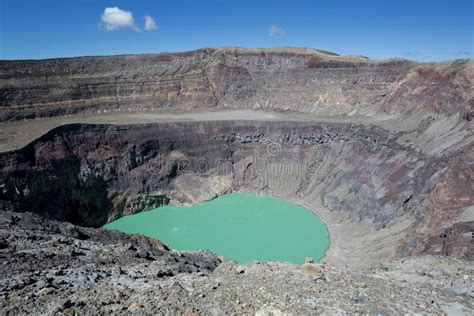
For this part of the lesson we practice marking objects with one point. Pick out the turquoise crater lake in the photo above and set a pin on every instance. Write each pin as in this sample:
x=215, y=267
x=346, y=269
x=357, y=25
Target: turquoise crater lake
x=241, y=227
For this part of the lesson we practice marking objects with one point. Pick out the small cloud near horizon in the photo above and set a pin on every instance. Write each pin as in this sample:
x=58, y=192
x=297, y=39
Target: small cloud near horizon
x=276, y=31
x=412, y=53
x=464, y=52
x=114, y=18
x=150, y=24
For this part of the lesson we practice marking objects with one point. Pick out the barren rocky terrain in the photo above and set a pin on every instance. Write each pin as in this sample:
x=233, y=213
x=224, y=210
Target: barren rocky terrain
x=382, y=151
x=53, y=268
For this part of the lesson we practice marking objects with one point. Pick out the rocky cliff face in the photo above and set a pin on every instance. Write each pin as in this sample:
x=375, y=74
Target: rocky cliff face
x=301, y=80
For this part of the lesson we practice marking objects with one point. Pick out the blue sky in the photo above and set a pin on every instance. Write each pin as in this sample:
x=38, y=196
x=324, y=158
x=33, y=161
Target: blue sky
x=414, y=29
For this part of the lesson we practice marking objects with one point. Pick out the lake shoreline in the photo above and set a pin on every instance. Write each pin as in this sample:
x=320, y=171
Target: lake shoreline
x=249, y=227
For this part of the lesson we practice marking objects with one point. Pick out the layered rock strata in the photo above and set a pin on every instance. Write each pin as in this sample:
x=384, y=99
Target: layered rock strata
x=292, y=79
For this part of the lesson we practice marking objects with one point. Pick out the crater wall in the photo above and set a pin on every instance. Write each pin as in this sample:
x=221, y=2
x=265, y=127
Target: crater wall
x=384, y=155
x=288, y=79
x=382, y=197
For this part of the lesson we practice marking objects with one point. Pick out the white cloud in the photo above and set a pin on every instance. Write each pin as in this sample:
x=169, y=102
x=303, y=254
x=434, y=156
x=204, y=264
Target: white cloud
x=115, y=19
x=150, y=24
x=276, y=31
